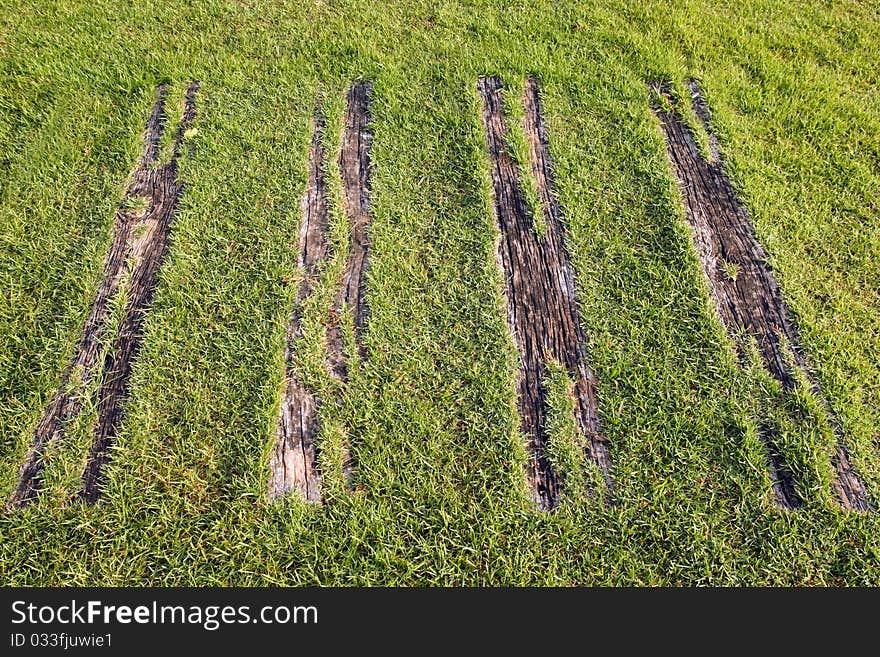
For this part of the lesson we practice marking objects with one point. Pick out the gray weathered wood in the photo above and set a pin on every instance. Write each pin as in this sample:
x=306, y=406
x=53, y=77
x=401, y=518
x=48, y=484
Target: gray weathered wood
x=294, y=460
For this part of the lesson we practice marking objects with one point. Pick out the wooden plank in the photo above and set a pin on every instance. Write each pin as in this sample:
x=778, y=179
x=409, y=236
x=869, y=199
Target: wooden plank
x=294, y=460
x=747, y=295
x=144, y=240
x=137, y=246
x=539, y=291
x=354, y=167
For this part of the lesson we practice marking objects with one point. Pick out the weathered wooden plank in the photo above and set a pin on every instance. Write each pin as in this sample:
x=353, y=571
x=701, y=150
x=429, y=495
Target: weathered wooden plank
x=355, y=169
x=143, y=243
x=136, y=244
x=569, y=348
x=294, y=460
x=747, y=295
x=539, y=290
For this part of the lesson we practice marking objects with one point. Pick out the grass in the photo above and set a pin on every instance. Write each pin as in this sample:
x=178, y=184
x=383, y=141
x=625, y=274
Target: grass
x=430, y=416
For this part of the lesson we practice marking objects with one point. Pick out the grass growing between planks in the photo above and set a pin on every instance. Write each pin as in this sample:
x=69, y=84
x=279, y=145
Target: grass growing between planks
x=430, y=416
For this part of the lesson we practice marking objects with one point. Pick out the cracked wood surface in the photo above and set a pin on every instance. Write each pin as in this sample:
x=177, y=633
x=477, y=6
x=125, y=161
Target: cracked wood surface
x=747, y=295
x=294, y=460
x=354, y=167
x=539, y=291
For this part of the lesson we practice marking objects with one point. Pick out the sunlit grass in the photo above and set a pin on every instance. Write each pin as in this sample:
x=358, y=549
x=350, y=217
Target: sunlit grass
x=430, y=415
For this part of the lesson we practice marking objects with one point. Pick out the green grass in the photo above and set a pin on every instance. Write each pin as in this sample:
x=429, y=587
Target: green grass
x=431, y=417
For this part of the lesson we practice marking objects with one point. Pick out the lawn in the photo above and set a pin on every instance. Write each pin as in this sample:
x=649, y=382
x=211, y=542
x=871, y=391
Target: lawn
x=439, y=494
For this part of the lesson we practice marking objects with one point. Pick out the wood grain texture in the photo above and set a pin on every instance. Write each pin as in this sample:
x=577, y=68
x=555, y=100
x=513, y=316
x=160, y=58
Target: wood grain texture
x=354, y=167
x=143, y=239
x=539, y=291
x=747, y=295
x=571, y=348
x=294, y=460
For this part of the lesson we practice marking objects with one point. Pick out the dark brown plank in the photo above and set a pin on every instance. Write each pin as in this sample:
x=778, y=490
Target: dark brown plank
x=539, y=290
x=354, y=167
x=570, y=349
x=747, y=295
